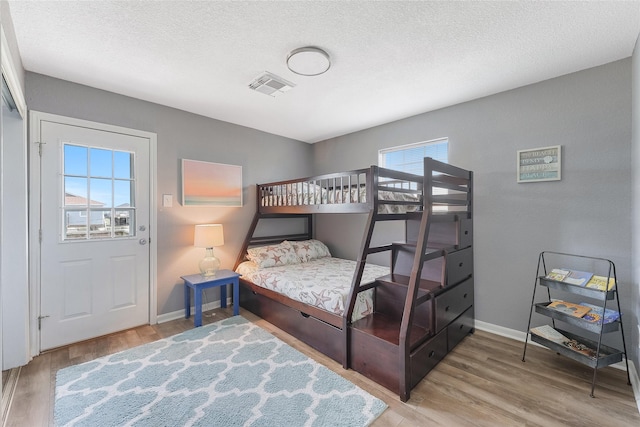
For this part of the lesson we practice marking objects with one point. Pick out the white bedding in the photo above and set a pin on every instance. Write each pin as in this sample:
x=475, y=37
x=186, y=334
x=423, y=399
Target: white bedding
x=323, y=283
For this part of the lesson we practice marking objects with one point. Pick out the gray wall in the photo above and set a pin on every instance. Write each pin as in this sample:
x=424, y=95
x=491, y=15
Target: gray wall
x=587, y=212
x=263, y=157
x=635, y=299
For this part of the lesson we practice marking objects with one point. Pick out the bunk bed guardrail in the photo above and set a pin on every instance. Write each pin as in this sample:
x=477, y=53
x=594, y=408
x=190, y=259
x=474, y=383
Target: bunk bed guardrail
x=357, y=191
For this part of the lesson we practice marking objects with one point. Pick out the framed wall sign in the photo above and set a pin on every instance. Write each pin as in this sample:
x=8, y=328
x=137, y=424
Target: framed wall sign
x=540, y=164
x=211, y=184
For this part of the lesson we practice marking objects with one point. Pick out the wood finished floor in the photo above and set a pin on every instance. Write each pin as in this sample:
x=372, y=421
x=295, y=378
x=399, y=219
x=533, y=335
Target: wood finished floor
x=482, y=382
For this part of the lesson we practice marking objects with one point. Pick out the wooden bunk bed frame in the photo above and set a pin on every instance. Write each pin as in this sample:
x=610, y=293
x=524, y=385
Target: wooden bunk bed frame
x=422, y=309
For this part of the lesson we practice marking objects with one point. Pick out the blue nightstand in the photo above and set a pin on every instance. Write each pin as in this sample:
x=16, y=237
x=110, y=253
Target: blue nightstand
x=198, y=283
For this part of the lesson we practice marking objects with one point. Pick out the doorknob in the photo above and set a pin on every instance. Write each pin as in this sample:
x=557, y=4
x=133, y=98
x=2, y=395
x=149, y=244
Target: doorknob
x=142, y=241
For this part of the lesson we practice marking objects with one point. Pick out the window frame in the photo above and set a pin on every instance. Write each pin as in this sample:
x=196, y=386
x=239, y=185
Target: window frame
x=382, y=152
x=87, y=211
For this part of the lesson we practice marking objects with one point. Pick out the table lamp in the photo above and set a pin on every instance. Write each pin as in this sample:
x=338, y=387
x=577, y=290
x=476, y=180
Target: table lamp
x=207, y=236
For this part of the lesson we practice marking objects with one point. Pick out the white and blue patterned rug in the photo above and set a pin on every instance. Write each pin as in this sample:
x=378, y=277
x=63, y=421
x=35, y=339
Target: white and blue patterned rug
x=229, y=373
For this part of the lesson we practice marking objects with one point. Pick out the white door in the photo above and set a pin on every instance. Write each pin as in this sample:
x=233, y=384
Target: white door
x=94, y=260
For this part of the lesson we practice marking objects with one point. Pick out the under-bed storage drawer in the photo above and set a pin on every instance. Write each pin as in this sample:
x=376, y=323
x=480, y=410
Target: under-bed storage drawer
x=452, y=302
x=459, y=266
x=460, y=328
x=318, y=334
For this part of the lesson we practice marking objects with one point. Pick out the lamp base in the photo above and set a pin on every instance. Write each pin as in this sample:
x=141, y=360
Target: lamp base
x=209, y=265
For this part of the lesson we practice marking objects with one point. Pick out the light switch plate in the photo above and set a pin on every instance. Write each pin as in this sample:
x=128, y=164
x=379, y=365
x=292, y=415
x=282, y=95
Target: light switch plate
x=167, y=200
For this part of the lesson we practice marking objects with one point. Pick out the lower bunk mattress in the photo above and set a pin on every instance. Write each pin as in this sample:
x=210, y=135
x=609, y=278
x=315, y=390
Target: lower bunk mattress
x=323, y=283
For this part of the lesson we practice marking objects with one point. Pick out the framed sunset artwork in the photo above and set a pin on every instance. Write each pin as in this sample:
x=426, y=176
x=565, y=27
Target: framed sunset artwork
x=211, y=184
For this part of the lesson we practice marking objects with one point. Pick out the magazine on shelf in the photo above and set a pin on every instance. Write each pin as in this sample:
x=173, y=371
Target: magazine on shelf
x=572, y=277
x=579, y=278
x=576, y=310
x=595, y=315
x=557, y=274
x=600, y=282
x=549, y=333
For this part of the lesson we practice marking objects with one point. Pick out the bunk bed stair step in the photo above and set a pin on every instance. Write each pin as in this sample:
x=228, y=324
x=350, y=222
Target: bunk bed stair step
x=435, y=307
x=450, y=269
x=375, y=339
x=456, y=231
x=386, y=328
x=375, y=351
x=424, y=288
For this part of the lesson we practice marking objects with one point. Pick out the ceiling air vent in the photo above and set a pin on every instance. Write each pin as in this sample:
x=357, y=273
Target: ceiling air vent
x=270, y=84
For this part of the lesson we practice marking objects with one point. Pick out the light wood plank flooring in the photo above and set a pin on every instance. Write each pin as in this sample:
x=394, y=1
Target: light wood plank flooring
x=482, y=382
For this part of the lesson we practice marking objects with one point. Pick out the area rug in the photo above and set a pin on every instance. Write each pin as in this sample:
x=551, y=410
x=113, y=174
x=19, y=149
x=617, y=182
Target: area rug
x=229, y=373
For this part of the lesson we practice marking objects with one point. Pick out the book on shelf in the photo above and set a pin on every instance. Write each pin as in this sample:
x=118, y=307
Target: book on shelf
x=576, y=310
x=579, y=278
x=600, y=283
x=595, y=315
x=549, y=333
x=557, y=274
x=572, y=277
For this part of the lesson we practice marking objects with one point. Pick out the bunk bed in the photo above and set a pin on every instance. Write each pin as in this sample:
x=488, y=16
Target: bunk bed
x=392, y=324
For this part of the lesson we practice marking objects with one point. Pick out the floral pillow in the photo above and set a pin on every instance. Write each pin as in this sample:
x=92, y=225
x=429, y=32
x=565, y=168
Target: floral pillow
x=273, y=255
x=309, y=250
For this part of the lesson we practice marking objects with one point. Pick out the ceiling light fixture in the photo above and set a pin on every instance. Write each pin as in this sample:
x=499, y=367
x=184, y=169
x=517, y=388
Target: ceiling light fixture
x=308, y=61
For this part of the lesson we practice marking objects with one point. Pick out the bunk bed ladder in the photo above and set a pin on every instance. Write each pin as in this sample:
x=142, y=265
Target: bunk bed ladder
x=412, y=294
x=360, y=264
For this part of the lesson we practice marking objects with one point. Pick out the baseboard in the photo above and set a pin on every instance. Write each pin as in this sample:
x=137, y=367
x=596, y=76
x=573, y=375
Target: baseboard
x=521, y=336
x=179, y=314
x=500, y=330
x=7, y=394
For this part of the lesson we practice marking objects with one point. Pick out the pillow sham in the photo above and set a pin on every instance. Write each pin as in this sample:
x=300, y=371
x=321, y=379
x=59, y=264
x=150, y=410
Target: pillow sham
x=308, y=250
x=273, y=255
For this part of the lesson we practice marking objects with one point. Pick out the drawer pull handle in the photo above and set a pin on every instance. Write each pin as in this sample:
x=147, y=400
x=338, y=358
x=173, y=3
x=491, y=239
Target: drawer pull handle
x=461, y=326
x=460, y=265
x=466, y=232
x=464, y=296
x=446, y=308
x=305, y=315
x=254, y=292
x=432, y=353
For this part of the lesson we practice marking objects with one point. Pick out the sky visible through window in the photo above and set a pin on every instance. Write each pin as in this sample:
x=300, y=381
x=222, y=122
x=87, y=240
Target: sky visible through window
x=103, y=176
x=409, y=158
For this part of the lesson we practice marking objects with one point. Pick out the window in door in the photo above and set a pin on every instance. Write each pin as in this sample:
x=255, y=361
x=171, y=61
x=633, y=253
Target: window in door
x=99, y=196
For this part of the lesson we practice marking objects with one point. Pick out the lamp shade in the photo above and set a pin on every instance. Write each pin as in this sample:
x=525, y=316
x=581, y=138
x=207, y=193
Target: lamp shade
x=208, y=236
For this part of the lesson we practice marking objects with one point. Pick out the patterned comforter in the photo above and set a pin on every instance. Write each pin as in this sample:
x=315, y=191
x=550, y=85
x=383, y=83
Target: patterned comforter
x=323, y=283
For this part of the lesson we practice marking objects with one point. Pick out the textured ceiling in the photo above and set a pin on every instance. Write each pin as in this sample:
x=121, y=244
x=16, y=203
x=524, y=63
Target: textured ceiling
x=390, y=60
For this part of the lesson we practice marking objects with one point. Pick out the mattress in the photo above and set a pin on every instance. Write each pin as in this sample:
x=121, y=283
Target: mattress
x=323, y=283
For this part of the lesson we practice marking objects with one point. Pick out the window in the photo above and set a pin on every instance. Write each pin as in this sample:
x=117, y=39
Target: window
x=409, y=158
x=99, y=200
